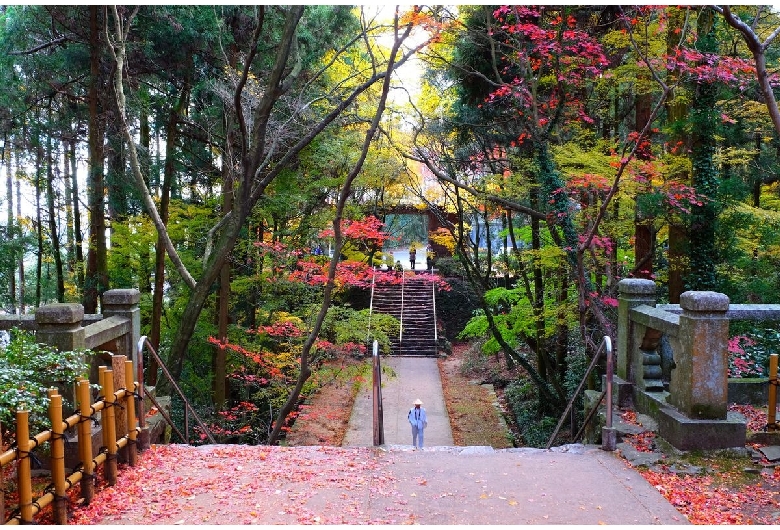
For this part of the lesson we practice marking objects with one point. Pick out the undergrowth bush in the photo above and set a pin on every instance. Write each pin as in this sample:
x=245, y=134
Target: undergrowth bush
x=523, y=399
x=749, y=352
x=28, y=370
x=345, y=325
x=476, y=364
x=522, y=396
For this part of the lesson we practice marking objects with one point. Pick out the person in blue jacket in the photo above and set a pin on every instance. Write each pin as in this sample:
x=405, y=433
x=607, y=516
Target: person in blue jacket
x=419, y=422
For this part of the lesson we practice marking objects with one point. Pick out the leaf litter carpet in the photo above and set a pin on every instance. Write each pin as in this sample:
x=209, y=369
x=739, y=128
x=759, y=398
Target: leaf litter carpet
x=223, y=484
x=261, y=485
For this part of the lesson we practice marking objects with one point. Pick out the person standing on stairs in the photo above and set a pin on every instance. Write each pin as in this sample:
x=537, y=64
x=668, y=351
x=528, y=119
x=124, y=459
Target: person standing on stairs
x=412, y=256
x=419, y=422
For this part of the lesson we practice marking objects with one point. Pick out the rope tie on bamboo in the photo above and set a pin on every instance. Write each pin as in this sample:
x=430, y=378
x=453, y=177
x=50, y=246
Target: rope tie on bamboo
x=775, y=382
x=57, y=436
x=92, y=418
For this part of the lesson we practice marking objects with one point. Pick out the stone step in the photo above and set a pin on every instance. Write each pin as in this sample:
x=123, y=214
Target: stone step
x=414, y=306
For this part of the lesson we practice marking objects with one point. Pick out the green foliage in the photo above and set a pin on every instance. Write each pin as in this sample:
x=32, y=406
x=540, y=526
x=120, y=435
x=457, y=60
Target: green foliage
x=522, y=396
x=749, y=244
x=344, y=325
x=131, y=252
x=577, y=362
x=28, y=370
x=514, y=318
x=455, y=307
x=13, y=245
x=449, y=267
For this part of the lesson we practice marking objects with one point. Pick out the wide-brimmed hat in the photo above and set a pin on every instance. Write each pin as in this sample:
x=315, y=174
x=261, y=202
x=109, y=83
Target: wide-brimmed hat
x=417, y=402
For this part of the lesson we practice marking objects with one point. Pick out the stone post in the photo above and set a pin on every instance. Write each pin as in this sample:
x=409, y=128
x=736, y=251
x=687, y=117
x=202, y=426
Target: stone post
x=59, y=325
x=633, y=293
x=699, y=384
x=124, y=303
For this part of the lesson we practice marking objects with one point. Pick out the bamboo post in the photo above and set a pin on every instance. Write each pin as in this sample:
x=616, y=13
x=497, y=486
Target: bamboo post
x=143, y=434
x=109, y=469
x=85, y=442
x=772, y=412
x=132, y=455
x=24, y=480
x=104, y=411
x=60, y=506
x=120, y=416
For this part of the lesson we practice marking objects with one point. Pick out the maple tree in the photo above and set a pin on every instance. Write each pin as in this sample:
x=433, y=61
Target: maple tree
x=532, y=86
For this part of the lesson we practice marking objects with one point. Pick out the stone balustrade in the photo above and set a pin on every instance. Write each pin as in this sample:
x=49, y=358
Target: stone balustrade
x=67, y=328
x=691, y=404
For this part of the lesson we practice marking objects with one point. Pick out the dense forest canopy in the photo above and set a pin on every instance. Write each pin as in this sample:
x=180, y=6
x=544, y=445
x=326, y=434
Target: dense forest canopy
x=202, y=153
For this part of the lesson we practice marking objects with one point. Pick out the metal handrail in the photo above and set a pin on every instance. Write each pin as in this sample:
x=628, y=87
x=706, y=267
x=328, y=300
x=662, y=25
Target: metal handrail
x=371, y=303
x=401, y=327
x=143, y=341
x=606, y=345
x=378, y=409
x=435, y=330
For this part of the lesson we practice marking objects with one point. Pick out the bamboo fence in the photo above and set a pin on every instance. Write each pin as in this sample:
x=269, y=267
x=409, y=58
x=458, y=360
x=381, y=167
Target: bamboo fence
x=117, y=436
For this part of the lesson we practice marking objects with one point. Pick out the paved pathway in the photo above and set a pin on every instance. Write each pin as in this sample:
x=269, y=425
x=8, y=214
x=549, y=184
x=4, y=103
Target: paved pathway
x=393, y=484
x=478, y=485
x=410, y=378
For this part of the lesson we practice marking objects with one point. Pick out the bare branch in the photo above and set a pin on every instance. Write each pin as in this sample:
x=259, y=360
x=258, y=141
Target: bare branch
x=117, y=49
x=43, y=46
x=758, y=50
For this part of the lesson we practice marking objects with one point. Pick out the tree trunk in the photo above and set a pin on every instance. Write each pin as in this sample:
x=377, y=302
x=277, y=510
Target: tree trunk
x=145, y=272
x=703, y=115
x=78, y=238
x=70, y=244
x=643, y=224
x=53, y=231
x=21, y=253
x=223, y=303
x=676, y=109
x=538, y=280
x=96, y=280
x=38, y=225
x=346, y=190
x=169, y=174
x=10, y=229
x=562, y=327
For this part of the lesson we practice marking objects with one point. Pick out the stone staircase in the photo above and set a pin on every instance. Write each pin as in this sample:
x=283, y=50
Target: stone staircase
x=413, y=305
